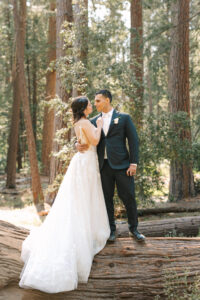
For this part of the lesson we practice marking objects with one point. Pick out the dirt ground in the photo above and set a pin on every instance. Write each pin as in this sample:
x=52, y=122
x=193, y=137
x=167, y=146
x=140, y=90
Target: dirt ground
x=16, y=205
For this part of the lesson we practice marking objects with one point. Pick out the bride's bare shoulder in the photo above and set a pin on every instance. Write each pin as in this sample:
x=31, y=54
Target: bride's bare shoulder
x=83, y=123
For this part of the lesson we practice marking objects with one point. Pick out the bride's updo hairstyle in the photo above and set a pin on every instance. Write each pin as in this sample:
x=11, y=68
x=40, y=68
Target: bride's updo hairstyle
x=78, y=106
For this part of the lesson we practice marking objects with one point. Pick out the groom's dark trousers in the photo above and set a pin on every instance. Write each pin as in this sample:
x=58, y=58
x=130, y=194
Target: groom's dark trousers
x=113, y=169
x=126, y=192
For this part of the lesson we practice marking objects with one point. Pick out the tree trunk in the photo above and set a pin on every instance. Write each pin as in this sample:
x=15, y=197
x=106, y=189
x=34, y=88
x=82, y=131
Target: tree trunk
x=81, y=23
x=149, y=88
x=179, y=207
x=34, y=84
x=125, y=269
x=28, y=68
x=181, y=176
x=186, y=226
x=19, y=156
x=21, y=142
x=136, y=59
x=47, y=140
x=80, y=9
x=14, y=128
x=20, y=34
x=64, y=13
x=9, y=61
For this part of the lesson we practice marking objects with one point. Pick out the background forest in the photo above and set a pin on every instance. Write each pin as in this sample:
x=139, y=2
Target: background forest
x=146, y=52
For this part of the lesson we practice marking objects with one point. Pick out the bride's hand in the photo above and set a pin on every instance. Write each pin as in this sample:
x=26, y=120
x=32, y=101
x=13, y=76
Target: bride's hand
x=99, y=122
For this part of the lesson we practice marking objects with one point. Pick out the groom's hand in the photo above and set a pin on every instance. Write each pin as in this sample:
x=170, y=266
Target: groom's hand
x=81, y=147
x=131, y=170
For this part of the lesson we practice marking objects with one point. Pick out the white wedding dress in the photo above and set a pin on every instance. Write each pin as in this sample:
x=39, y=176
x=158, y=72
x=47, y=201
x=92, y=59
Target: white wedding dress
x=59, y=253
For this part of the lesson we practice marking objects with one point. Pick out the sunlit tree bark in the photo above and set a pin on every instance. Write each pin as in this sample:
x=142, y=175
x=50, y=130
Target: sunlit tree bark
x=181, y=176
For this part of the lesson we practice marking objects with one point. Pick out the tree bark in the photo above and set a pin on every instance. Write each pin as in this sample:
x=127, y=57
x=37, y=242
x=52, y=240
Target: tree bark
x=181, y=176
x=38, y=197
x=19, y=156
x=28, y=64
x=150, y=99
x=9, y=61
x=21, y=152
x=136, y=59
x=47, y=140
x=80, y=9
x=34, y=84
x=14, y=128
x=64, y=13
x=125, y=269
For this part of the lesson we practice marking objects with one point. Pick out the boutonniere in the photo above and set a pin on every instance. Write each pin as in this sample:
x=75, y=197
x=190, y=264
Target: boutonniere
x=116, y=120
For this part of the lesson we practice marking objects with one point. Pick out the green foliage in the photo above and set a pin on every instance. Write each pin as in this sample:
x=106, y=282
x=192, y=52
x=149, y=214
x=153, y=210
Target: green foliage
x=196, y=146
x=160, y=141
x=108, y=66
x=64, y=155
x=35, y=49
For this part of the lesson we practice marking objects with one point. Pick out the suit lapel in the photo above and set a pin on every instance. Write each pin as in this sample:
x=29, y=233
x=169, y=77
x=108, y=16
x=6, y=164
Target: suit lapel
x=99, y=115
x=114, y=115
x=95, y=118
x=102, y=132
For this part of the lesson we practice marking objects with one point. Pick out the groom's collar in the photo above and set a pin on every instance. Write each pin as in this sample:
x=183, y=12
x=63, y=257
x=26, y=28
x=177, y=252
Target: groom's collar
x=109, y=113
x=112, y=111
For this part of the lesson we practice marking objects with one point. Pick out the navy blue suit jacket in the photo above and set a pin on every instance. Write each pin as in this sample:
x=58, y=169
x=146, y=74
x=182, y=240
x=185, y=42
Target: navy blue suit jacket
x=121, y=131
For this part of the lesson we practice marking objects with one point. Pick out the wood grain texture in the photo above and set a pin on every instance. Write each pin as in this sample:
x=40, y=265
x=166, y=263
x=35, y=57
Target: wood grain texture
x=123, y=270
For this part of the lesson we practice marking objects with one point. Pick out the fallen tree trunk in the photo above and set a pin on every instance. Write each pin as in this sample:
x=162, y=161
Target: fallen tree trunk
x=186, y=226
x=178, y=207
x=125, y=269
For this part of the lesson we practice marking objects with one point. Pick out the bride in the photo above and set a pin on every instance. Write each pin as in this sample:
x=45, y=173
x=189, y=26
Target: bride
x=59, y=253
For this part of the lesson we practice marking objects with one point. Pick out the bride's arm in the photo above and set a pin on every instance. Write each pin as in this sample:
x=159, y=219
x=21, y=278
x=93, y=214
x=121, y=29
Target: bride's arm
x=92, y=133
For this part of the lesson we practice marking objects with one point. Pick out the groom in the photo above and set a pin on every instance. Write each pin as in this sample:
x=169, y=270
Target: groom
x=117, y=164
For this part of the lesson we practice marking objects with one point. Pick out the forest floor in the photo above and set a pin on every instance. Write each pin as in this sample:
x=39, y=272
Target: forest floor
x=17, y=208
x=16, y=205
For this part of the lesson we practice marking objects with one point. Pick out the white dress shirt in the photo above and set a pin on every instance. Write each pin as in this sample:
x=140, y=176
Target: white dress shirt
x=106, y=124
x=106, y=120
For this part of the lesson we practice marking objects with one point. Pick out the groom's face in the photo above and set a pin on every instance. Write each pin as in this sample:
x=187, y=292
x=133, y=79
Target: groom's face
x=101, y=102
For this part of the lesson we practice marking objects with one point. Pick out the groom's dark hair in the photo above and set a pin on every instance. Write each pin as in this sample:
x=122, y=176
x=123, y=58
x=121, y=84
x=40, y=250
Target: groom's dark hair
x=105, y=93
